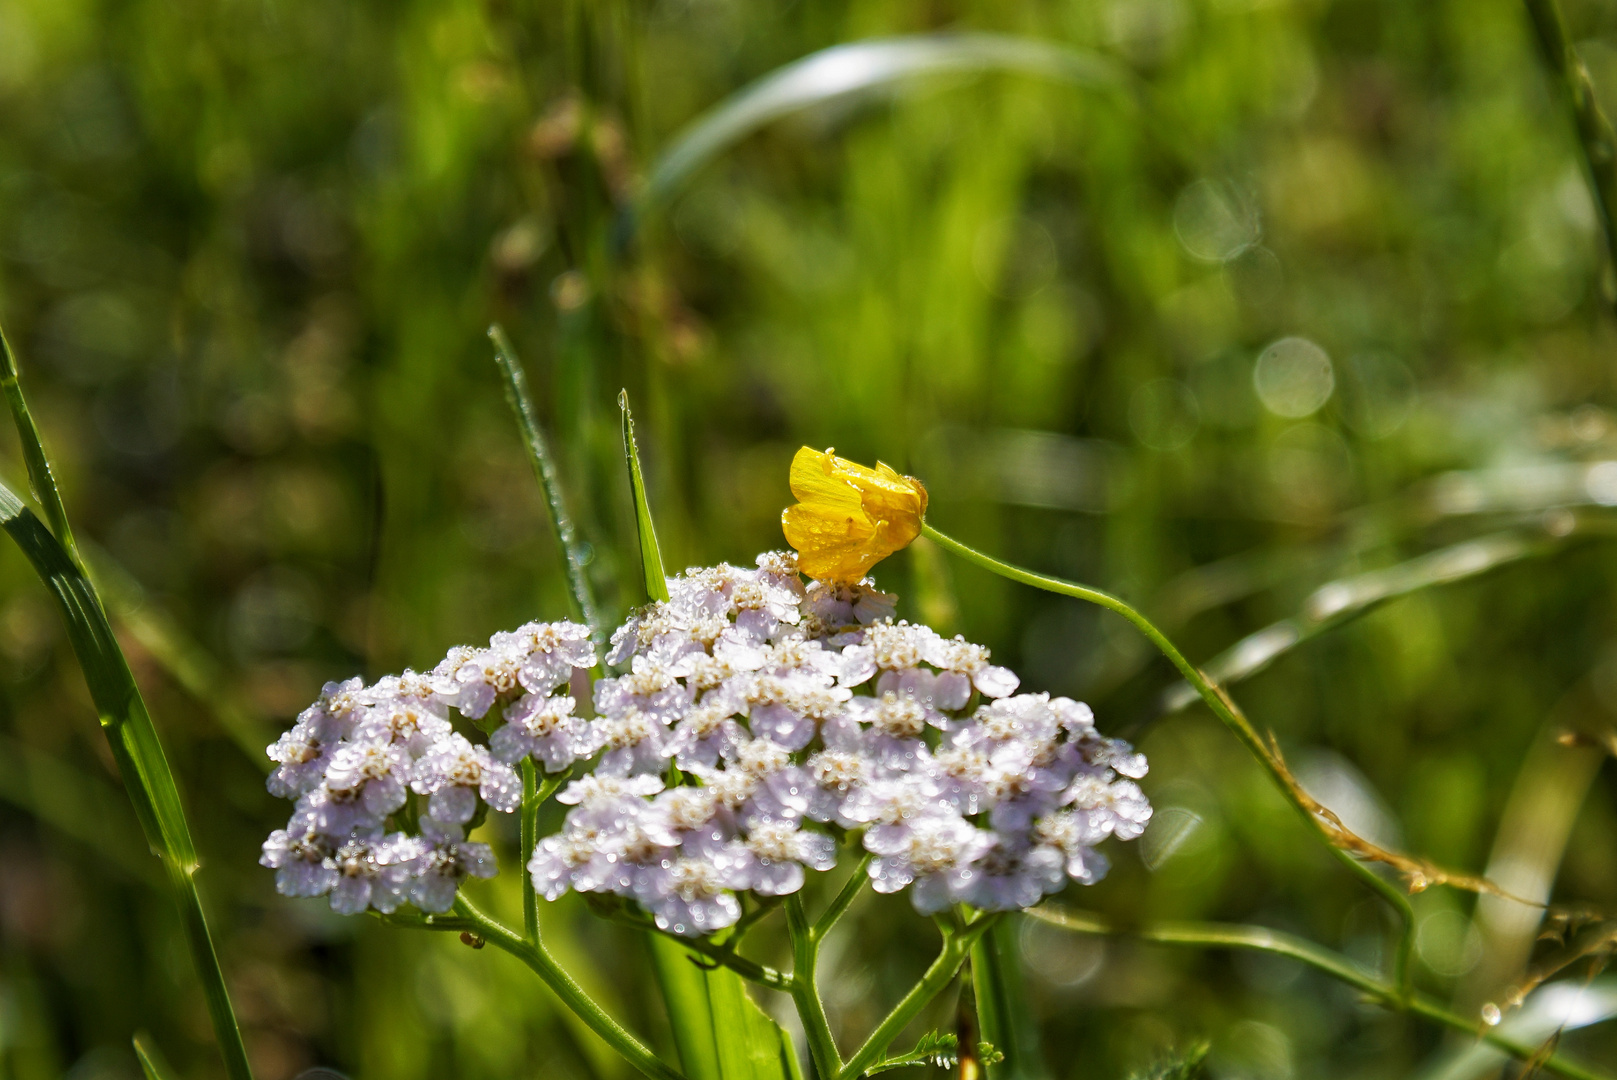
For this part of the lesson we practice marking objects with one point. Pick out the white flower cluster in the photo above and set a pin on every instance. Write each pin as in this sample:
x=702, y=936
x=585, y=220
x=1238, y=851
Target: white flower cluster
x=758, y=723
x=353, y=758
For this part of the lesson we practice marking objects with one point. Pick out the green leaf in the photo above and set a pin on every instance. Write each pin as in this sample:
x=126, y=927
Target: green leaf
x=651, y=559
x=1003, y=1014
x=152, y=1063
x=937, y=1049
x=683, y=983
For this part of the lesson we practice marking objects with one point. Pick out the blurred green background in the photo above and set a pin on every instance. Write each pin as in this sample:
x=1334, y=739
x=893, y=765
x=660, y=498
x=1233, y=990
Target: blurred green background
x=1324, y=293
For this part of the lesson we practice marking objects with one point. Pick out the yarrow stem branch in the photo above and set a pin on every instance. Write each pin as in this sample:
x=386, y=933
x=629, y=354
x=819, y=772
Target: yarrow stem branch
x=469, y=917
x=1225, y=709
x=844, y=899
x=806, y=988
x=1210, y=935
x=956, y=946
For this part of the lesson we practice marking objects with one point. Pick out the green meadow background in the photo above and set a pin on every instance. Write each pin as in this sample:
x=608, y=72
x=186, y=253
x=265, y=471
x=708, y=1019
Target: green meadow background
x=1309, y=290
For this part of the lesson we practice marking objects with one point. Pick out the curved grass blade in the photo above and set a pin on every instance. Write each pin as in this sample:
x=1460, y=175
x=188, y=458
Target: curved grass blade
x=40, y=476
x=1341, y=601
x=137, y=750
x=544, y=468
x=863, y=65
x=651, y=559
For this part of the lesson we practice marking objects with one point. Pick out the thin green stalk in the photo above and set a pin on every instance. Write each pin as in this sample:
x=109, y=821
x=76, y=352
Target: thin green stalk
x=806, y=989
x=844, y=899
x=721, y=955
x=467, y=916
x=956, y=945
x=544, y=468
x=1209, y=935
x=528, y=838
x=1223, y=708
x=142, y=764
x=1595, y=135
x=40, y=476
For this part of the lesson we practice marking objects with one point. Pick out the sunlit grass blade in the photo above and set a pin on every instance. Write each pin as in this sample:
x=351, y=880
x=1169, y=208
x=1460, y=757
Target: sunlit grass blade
x=860, y=66
x=544, y=468
x=40, y=476
x=651, y=559
x=153, y=1066
x=137, y=750
x=1338, y=602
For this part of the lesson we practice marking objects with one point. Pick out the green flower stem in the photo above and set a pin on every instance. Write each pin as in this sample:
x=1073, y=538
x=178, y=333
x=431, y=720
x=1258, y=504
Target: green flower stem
x=468, y=917
x=843, y=900
x=534, y=794
x=806, y=989
x=529, y=836
x=1209, y=935
x=1225, y=710
x=956, y=946
x=1595, y=135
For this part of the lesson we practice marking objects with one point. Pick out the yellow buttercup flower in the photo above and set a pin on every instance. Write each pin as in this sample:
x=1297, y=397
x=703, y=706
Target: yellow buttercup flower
x=849, y=517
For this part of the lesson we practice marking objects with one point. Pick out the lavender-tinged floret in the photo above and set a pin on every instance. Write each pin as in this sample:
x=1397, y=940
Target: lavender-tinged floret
x=455, y=772
x=545, y=729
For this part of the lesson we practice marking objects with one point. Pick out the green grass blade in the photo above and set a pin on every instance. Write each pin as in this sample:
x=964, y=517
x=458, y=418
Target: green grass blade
x=137, y=750
x=862, y=66
x=720, y=1033
x=651, y=559
x=1003, y=1013
x=683, y=983
x=40, y=476
x=690, y=1017
x=544, y=468
x=152, y=1063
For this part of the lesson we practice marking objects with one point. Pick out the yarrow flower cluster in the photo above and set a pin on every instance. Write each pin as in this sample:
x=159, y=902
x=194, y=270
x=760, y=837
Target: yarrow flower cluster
x=756, y=724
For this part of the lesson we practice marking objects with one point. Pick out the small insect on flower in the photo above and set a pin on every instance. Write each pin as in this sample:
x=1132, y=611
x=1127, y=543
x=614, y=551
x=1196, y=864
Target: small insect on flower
x=849, y=517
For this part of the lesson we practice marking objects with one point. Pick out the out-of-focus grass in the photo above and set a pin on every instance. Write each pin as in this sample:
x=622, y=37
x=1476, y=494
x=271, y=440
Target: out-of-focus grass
x=248, y=251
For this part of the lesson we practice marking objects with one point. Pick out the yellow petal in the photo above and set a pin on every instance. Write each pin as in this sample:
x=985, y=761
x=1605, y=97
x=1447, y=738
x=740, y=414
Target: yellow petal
x=849, y=517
